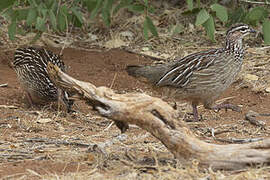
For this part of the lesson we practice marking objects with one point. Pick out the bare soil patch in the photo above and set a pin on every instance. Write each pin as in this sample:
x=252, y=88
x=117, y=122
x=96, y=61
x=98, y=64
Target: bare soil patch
x=64, y=143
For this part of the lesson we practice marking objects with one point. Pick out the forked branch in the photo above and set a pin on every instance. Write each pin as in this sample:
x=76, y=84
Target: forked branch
x=161, y=120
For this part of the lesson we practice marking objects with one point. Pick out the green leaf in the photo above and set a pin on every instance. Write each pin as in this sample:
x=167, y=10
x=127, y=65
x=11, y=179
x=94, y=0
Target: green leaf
x=221, y=12
x=54, y=6
x=22, y=14
x=146, y=3
x=266, y=30
x=145, y=30
x=151, y=9
x=42, y=10
x=31, y=16
x=5, y=4
x=106, y=12
x=61, y=18
x=74, y=20
x=49, y=3
x=257, y=14
x=202, y=17
x=61, y=22
x=96, y=9
x=108, y=5
x=12, y=30
x=14, y=15
x=237, y=15
x=178, y=28
x=40, y=24
x=136, y=8
x=44, y=13
x=33, y=3
x=122, y=4
x=190, y=4
x=151, y=26
x=198, y=3
x=106, y=17
x=90, y=5
x=209, y=26
x=77, y=13
x=53, y=20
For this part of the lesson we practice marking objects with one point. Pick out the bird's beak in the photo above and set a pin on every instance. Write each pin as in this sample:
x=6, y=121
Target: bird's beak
x=252, y=30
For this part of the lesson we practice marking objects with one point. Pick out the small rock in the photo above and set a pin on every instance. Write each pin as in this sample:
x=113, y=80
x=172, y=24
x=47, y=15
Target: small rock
x=145, y=49
x=92, y=37
x=191, y=28
x=267, y=89
x=44, y=120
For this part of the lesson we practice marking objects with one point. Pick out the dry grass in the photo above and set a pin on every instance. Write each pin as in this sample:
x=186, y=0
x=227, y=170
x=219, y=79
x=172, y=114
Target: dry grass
x=121, y=156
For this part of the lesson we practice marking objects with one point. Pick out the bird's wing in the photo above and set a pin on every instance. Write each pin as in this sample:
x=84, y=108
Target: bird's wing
x=180, y=72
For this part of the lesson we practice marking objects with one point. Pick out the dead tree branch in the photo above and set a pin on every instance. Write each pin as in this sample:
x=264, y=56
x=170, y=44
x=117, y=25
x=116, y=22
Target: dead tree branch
x=161, y=120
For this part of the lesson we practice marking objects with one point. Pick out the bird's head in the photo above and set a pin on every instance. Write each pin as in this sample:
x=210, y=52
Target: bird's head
x=239, y=31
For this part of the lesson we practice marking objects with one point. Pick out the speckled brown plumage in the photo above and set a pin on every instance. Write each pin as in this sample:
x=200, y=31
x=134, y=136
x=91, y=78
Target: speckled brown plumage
x=201, y=77
x=30, y=65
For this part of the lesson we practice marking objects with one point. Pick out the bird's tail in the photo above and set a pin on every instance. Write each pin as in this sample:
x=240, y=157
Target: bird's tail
x=150, y=73
x=135, y=71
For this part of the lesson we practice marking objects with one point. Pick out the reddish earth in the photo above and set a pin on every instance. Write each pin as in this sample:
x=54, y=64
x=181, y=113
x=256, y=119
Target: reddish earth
x=102, y=68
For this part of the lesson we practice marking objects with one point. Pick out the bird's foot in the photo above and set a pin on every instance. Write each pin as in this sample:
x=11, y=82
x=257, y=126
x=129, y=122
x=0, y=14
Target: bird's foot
x=226, y=107
x=195, y=114
x=189, y=117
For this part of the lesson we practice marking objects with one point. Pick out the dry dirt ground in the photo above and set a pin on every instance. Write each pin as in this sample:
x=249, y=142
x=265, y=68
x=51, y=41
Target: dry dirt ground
x=42, y=142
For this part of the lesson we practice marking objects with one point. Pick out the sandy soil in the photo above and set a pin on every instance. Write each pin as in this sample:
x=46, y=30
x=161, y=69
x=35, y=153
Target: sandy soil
x=37, y=141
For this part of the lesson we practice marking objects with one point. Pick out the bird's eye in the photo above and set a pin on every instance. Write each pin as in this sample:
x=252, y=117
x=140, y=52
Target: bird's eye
x=243, y=30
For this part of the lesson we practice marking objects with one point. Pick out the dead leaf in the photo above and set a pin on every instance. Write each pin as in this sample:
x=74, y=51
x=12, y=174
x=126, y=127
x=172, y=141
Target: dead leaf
x=251, y=77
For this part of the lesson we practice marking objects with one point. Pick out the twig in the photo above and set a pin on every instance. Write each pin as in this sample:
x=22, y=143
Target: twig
x=114, y=77
x=220, y=101
x=16, y=151
x=64, y=142
x=33, y=172
x=8, y=107
x=251, y=117
x=262, y=48
x=239, y=141
x=264, y=114
x=214, y=133
x=255, y=2
x=12, y=176
x=107, y=128
x=72, y=143
x=112, y=141
x=16, y=156
x=4, y=85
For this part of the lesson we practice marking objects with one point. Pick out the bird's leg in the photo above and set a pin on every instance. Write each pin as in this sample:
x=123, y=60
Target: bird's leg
x=226, y=107
x=195, y=112
x=29, y=98
x=59, y=99
x=63, y=99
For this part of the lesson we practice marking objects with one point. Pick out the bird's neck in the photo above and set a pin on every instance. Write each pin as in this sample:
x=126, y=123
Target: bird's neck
x=234, y=45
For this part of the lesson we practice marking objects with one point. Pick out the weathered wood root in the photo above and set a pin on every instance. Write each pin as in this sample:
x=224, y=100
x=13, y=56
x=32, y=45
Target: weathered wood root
x=160, y=119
